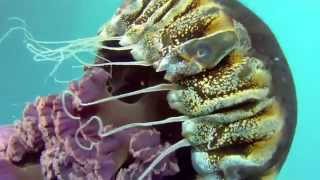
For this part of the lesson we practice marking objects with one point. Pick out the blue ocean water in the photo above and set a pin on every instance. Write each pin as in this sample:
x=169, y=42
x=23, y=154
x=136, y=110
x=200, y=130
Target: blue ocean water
x=295, y=23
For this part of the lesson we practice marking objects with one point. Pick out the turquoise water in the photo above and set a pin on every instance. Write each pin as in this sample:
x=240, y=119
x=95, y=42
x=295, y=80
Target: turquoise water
x=295, y=23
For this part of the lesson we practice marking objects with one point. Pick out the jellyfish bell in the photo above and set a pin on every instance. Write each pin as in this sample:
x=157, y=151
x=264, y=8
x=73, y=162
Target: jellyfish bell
x=191, y=57
x=216, y=80
x=252, y=32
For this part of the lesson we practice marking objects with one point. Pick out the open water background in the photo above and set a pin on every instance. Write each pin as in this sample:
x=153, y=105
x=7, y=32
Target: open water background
x=295, y=23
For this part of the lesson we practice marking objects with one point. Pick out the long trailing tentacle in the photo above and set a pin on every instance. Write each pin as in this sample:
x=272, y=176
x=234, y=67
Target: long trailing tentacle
x=42, y=53
x=56, y=51
x=59, y=81
x=180, y=144
x=60, y=51
x=39, y=46
x=157, y=88
x=109, y=63
x=46, y=54
x=123, y=48
x=161, y=87
x=64, y=104
x=82, y=126
x=146, y=124
x=102, y=134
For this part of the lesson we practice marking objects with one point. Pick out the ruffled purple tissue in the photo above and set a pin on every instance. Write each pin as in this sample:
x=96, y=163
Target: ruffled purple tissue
x=47, y=132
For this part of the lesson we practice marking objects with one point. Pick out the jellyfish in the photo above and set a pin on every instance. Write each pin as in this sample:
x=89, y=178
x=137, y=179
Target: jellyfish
x=179, y=89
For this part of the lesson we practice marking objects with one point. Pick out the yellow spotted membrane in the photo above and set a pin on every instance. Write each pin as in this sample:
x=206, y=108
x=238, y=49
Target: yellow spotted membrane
x=231, y=118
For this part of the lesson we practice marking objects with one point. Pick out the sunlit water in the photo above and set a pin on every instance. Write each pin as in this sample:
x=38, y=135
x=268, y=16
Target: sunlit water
x=295, y=23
